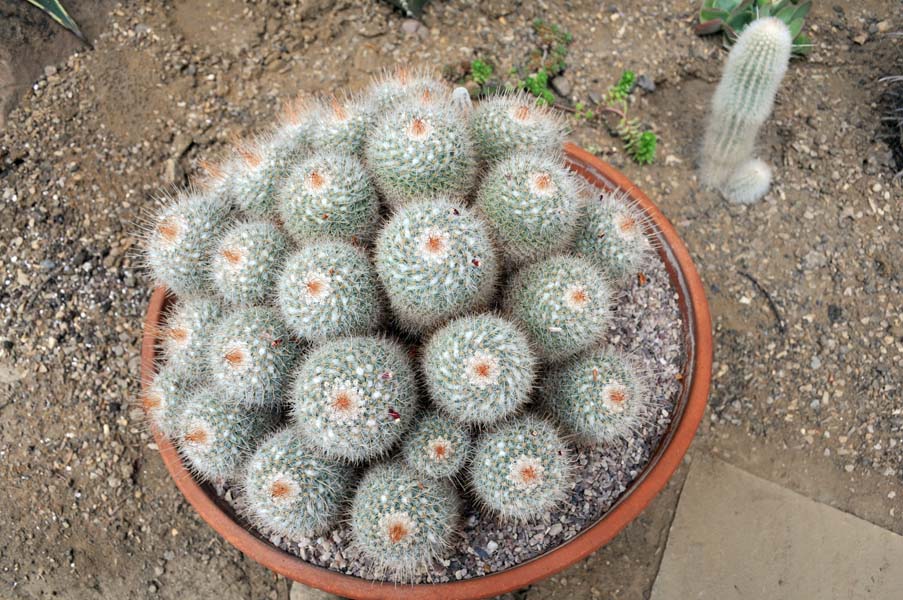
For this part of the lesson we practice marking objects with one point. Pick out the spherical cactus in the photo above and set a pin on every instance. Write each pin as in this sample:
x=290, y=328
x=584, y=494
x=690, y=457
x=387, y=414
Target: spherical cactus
x=327, y=290
x=479, y=369
x=401, y=522
x=265, y=164
x=180, y=239
x=563, y=303
x=250, y=356
x=503, y=125
x=613, y=236
x=354, y=397
x=402, y=86
x=292, y=490
x=166, y=396
x=246, y=260
x=435, y=260
x=293, y=136
x=416, y=152
x=601, y=396
x=522, y=469
x=340, y=126
x=437, y=447
x=187, y=332
x=329, y=195
x=217, y=434
x=533, y=205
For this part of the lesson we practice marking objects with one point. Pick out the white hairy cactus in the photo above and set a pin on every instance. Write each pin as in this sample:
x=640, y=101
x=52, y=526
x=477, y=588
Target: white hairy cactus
x=742, y=103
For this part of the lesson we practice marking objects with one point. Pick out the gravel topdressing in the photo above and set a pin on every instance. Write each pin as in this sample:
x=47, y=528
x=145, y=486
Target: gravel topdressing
x=647, y=324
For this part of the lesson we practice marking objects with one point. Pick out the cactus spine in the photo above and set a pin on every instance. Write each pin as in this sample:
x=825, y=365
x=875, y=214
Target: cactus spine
x=291, y=490
x=742, y=103
x=503, y=125
x=437, y=447
x=245, y=262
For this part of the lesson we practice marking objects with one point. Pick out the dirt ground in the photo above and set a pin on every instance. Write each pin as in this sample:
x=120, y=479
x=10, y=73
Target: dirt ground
x=807, y=395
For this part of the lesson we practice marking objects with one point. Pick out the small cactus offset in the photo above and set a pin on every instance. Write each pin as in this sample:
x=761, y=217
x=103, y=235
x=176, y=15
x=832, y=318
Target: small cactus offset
x=180, y=239
x=417, y=152
x=354, y=398
x=402, y=522
x=504, y=125
x=187, y=332
x=165, y=398
x=563, y=303
x=522, y=469
x=435, y=260
x=479, y=369
x=244, y=265
x=601, y=396
x=329, y=195
x=216, y=434
x=437, y=447
x=328, y=290
x=250, y=356
x=742, y=103
x=533, y=205
x=292, y=490
x=613, y=236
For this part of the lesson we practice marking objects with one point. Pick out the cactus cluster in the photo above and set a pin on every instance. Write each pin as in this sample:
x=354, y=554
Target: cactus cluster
x=317, y=353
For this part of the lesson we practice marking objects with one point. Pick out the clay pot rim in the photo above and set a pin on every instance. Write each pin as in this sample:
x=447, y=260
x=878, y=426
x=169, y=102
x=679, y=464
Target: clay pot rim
x=690, y=408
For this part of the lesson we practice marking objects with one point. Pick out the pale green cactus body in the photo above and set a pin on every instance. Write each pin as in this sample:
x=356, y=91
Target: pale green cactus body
x=187, y=332
x=402, y=87
x=165, y=398
x=180, y=239
x=265, y=165
x=292, y=490
x=503, y=125
x=340, y=126
x=479, y=369
x=354, y=398
x=401, y=522
x=522, y=470
x=250, y=356
x=329, y=290
x=533, y=205
x=563, y=304
x=613, y=236
x=246, y=261
x=417, y=152
x=216, y=434
x=437, y=447
x=742, y=103
x=601, y=396
x=435, y=260
x=329, y=195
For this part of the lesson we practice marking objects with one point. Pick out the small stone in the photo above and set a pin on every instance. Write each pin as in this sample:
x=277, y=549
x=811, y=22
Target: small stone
x=562, y=86
x=50, y=70
x=861, y=39
x=645, y=83
x=172, y=172
x=302, y=592
x=884, y=26
x=491, y=547
x=595, y=97
x=410, y=26
x=834, y=313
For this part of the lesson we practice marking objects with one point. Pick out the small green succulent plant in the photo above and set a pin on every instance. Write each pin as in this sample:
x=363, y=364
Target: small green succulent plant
x=731, y=17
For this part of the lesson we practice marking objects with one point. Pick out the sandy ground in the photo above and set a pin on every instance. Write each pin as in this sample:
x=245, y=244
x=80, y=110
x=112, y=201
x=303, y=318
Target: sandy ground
x=808, y=397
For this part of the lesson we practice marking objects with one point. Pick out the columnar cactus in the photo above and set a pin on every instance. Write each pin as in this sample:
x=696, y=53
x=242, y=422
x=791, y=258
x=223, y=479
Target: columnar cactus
x=602, y=396
x=217, y=434
x=292, y=490
x=437, y=447
x=563, y=303
x=503, y=125
x=340, y=126
x=402, y=522
x=479, y=369
x=435, y=260
x=329, y=195
x=180, y=239
x=612, y=235
x=354, y=398
x=186, y=334
x=742, y=103
x=165, y=398
x=327, y=290
x=246, y=260
x=533, y=205
x=250, y=356
x=522, y=469
x=417, y=152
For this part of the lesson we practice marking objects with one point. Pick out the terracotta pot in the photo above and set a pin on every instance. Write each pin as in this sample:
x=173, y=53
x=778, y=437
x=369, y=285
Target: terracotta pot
x=697, y=372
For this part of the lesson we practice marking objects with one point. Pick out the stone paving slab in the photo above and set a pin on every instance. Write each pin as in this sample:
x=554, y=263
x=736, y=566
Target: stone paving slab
x=738, y=536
